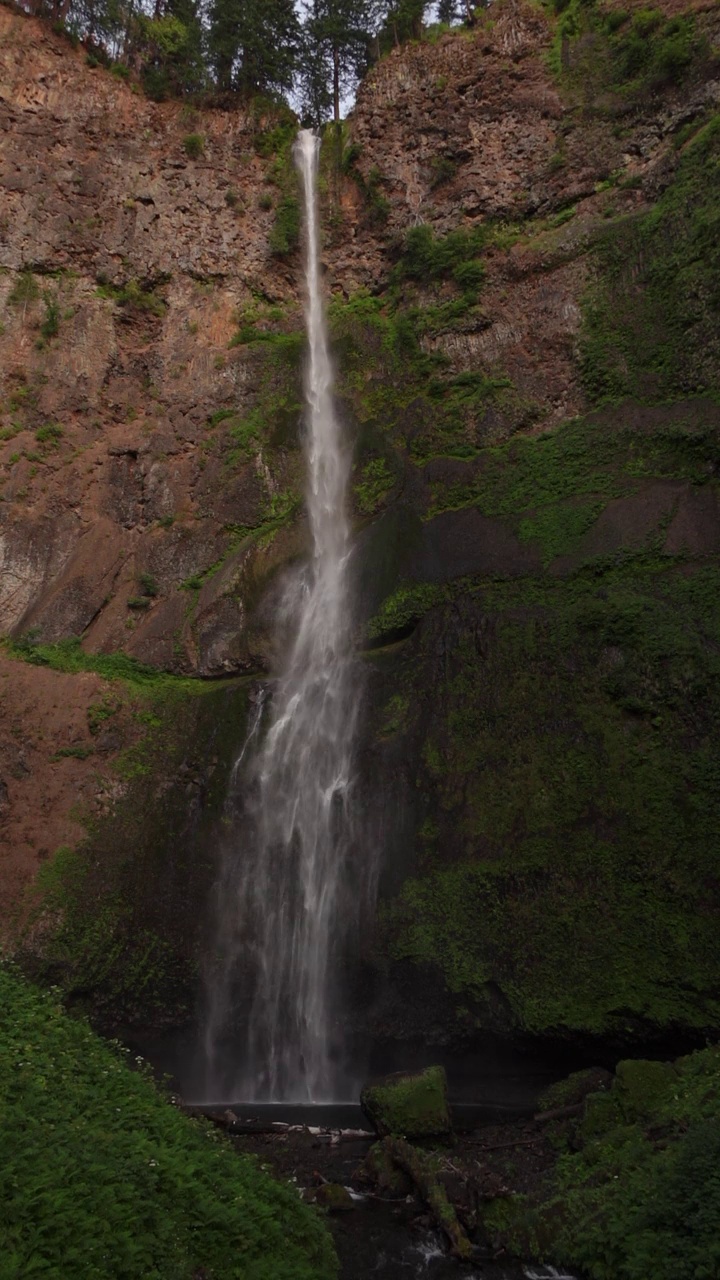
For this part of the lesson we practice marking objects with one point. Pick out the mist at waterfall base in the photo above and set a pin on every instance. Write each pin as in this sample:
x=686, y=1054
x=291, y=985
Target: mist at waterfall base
x=292, y=880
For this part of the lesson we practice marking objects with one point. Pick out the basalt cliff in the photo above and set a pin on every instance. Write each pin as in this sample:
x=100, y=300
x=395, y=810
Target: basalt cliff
x=522, y=231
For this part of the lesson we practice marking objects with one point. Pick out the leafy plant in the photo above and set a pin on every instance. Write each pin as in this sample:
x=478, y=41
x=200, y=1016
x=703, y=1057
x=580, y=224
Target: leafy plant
x=118, y=1183
x=194, y=145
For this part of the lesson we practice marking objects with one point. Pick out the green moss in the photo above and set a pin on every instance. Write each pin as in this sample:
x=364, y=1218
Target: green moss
x=118, y=914
x=642, y=1197
x=285, y=234
x=193, y=145
x=373, y=485
x=72, y=1115
x=572, y=778
x=134, y=297
x=413, y=1106
x=613, y=58
x=651, y=324
x=403, y=608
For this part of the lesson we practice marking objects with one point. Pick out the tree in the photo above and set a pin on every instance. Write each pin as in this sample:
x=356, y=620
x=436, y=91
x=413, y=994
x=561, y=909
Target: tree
x=448, y=11
x=254, y=44
x=337, y=38
x=404, y=21
x=172, y=55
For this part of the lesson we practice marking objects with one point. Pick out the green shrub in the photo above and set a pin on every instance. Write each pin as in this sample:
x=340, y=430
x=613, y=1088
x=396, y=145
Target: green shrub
x=51, y=323
x=147, y=584
x=194, y=144
x=285, y=235
x=24, y=290
x=643, y=1199
x=50, y=433
x=134, y=297
x=78, y=752
x=426, y=256
x=101, y=1177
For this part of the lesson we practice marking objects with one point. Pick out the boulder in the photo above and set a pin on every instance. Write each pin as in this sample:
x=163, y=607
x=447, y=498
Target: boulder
x=411, y=1105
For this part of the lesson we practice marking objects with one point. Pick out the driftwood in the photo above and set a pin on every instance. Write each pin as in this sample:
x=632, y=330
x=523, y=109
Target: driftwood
x=415, y=1165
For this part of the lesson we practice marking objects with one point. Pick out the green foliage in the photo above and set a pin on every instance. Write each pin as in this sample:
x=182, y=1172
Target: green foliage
x=24, y=290
x=50, y=325
x=629, y=56
x=652, y=322
x=453, y=256
x=78, y=752
x=373, y=485
x=642, y=1198
x=148, y=584
x=134, y=297
x=194, y=145
x=285, y=234
x=50, y=433
x=577, y=756
x=69, y=656
x=114, y=1181
x=253, y=48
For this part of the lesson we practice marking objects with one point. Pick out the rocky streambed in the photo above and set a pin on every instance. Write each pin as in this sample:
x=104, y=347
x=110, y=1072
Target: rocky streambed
x=402, y=1208
x=612, y=1174
x=381, y=1225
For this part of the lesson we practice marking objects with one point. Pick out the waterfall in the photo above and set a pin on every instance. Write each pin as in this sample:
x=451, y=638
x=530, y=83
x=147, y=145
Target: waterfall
x=285, y=894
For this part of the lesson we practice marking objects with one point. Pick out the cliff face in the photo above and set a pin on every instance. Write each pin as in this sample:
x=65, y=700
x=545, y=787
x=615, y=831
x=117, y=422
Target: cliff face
x=520, y=237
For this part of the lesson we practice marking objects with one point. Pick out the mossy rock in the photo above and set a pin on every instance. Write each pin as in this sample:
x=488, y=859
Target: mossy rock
x=334, y=1197
x=383, y=1174
x=574, y=1089
x=640, y=1087
x=410, y=1105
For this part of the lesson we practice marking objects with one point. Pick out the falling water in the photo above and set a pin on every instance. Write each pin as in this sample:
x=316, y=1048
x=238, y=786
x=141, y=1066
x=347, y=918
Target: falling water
x=284, y=892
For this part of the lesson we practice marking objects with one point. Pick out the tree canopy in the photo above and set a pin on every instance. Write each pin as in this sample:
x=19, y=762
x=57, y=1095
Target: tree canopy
x=312, y=51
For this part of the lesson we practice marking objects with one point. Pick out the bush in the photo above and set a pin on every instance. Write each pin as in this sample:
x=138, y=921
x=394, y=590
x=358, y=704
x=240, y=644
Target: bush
x=24, y=290
x=454, y=256
x=194, y=145
x=285, y=235
x=50, y=433
x=51, y=324
x=643, y=1199
x=102, y=1178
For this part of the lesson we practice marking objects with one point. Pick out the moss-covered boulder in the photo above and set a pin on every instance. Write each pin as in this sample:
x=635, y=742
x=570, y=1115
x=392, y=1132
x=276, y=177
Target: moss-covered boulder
x=410, y=1105
x=334, y=1197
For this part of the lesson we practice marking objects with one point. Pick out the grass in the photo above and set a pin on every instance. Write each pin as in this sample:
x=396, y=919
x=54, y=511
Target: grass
x=69, y=656
x=101, y=1177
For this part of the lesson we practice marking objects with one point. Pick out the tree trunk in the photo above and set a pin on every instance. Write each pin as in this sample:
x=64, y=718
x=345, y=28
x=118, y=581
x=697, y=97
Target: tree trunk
x=411, y=1161
x=336, y=84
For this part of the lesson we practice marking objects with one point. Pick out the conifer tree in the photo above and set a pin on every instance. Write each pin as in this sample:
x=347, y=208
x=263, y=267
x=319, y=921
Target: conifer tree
x=337, y=51
x=253, y=44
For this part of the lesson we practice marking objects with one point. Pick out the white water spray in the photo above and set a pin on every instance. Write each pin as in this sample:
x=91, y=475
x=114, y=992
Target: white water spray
x=284, y=892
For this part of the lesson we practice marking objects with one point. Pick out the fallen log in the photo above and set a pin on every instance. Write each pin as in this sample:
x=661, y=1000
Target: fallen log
x=415, y=1165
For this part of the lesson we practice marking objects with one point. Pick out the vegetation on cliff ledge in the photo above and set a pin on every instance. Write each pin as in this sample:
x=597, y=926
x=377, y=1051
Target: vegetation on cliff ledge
x=102, y=1177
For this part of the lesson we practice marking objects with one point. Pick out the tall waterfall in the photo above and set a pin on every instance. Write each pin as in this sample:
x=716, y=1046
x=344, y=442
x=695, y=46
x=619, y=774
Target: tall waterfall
x=284, y=896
